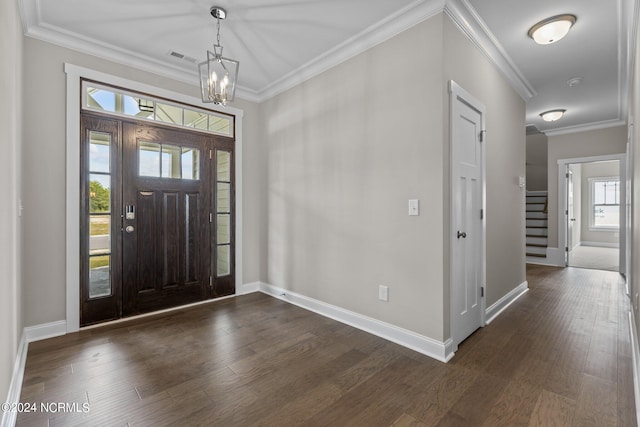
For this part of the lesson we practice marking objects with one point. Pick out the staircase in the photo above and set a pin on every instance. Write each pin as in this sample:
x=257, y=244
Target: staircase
x=537, y=224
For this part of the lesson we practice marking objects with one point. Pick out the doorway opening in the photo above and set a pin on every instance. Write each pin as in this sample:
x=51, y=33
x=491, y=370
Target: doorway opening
x=157, y=207
x=595, y=214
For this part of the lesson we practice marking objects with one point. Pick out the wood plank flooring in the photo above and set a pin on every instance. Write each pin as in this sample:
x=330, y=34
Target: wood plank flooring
x=560, y=355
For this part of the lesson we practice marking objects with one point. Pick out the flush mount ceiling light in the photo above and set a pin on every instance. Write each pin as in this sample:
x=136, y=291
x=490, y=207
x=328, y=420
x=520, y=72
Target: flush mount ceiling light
x=218, y=75
x=575, y=81
x=552, y=29
x=552, y=115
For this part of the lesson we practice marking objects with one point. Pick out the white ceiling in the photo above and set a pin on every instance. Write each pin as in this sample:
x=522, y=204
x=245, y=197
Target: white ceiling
x=280, y=43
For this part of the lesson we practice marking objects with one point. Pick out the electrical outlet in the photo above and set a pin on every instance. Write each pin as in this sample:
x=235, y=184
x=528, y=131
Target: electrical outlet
x=383, y=293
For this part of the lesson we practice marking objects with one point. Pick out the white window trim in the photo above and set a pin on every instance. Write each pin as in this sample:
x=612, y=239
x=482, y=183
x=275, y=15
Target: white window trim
x=592, y=180
x=74, y=75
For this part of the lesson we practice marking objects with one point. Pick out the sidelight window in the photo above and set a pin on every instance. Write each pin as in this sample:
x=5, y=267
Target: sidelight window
x=223, y=213
x=99, y=198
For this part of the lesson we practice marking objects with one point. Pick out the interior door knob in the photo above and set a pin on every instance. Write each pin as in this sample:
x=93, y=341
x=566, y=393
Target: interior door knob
x=462, y=234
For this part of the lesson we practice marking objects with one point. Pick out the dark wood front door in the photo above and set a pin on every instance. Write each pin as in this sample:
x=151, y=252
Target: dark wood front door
x=170, y=221
x=167, y=228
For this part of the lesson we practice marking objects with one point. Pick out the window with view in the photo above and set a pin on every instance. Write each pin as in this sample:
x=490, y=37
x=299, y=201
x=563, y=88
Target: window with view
x=605, y=203
x=109, y=100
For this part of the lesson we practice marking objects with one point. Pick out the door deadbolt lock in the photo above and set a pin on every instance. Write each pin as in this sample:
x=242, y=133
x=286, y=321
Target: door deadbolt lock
x=462, y=234
x=130, y=212
x=129, y=229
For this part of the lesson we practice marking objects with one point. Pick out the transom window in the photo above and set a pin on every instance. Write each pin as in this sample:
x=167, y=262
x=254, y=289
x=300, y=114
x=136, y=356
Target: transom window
x=110, y=100
x=604, y=203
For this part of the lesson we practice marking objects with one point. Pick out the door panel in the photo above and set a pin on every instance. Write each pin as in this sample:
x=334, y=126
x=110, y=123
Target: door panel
x=570, y=216
x=167, y=242
x=467, y=222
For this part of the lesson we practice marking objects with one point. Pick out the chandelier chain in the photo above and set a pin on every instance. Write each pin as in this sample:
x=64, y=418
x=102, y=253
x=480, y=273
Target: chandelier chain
x=218, y=19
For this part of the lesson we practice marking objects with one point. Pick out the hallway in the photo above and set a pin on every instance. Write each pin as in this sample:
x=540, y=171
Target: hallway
x=560, y=355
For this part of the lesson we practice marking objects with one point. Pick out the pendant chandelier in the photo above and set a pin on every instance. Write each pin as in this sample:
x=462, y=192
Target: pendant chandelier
x=218, y=75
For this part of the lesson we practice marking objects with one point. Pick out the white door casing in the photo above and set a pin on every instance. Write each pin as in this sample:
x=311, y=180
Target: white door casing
x=467, y=214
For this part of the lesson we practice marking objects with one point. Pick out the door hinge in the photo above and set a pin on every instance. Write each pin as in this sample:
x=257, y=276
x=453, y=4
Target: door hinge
x=566, y=212
x=481, y=213
x=210, y=154
x=482, y=132
x=566, y=249
x=566, y=175
x=211, y=282
x=482, y=291
x=210, y=217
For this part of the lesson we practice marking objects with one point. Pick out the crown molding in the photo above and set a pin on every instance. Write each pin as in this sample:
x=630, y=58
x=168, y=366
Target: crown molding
x=67, y=39
x=473, y=26
x=394, y=24
x=460, y=11
x=585, y=127
x=628, y=11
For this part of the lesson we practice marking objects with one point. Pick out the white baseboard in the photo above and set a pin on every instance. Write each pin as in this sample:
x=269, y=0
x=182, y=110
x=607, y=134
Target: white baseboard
x=635, y=352
x=438, y=350
x=504, y=302
x=248, y=288
x=538, y=261
x=601, y=244
x=15, y=387
x=46, y=330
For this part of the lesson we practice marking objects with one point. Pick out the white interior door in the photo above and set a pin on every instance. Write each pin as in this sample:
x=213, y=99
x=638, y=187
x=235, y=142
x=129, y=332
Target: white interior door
x=570, y=216
x=467, y=204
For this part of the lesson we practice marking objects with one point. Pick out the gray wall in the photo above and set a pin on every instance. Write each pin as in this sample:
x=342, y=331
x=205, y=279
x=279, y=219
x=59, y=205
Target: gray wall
x=44, y=181
x=537, y=168
x=580, y=144
x=634, y=120
x=10, y=137
x=344, y=158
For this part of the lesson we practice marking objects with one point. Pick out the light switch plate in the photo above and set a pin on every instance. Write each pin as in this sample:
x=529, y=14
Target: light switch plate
x=383, y=293
x=414, y=207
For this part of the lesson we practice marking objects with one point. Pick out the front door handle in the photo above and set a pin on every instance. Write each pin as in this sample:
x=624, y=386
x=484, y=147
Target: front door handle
x=462, y=234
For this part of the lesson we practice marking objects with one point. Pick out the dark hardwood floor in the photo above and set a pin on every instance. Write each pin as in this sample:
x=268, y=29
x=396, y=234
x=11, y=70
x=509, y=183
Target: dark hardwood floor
x=560, y=355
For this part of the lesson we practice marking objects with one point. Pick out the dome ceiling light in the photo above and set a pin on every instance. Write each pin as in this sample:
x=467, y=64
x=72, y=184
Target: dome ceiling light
x=575, y=81
x=552, y=29
x=552, y=115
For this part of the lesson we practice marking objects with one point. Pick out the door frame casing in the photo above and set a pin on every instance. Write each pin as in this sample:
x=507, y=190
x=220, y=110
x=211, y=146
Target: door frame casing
x=74, y=74
x=457, y=92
